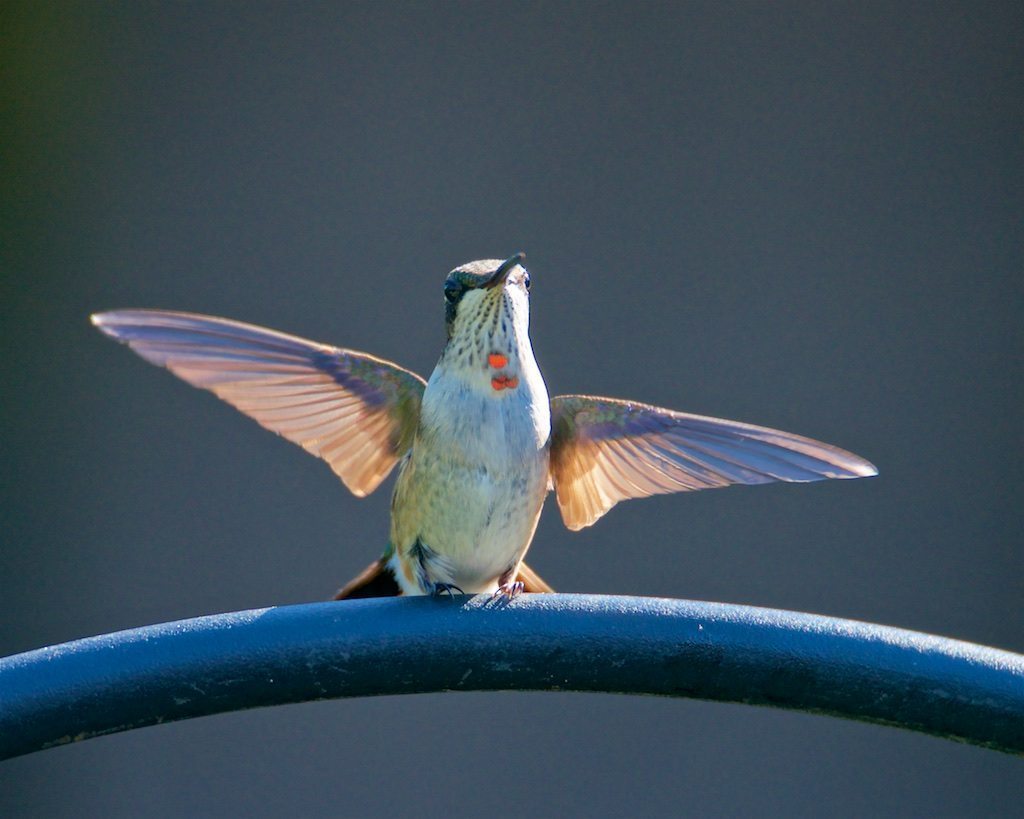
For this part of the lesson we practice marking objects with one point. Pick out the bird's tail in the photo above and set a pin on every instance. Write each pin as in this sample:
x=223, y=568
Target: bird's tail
x=376, y=580
x=532, y=581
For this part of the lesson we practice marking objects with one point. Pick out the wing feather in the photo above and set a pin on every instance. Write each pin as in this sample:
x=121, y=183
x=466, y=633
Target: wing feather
x=357, y=412
x=604, y=450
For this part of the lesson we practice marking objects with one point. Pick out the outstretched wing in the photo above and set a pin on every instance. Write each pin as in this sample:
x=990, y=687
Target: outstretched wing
x=604, y=450
x=357, y=412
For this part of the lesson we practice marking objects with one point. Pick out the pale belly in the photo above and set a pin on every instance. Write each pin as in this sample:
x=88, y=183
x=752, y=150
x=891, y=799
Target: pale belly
x=467, y=499
x=464, y=526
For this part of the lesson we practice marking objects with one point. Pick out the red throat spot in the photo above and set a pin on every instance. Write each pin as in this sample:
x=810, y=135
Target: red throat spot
x=504, y=382
x=497, y=360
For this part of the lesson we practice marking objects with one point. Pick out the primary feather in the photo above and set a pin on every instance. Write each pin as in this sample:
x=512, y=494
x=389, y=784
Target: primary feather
x=357, y=412
x=604, y=450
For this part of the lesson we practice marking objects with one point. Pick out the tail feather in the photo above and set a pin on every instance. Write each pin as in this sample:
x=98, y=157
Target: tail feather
x=532, y=581
x=376, y=580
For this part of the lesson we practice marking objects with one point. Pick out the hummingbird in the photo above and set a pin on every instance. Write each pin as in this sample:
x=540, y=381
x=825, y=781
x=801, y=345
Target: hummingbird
x=479, y=445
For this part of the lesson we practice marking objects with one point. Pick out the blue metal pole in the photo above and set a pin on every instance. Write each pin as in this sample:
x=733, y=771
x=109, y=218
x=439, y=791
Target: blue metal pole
x=633, y=645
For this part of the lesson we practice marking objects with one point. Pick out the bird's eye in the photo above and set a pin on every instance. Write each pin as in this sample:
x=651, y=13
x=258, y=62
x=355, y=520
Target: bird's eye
x=526, y=280
x=452, y=292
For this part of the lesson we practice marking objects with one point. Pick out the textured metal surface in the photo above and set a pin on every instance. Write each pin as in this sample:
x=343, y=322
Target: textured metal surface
x=680, y=648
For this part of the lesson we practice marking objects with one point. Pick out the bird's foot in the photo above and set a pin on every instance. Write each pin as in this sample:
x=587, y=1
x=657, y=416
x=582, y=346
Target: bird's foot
x=445, y=588
x=508, y=591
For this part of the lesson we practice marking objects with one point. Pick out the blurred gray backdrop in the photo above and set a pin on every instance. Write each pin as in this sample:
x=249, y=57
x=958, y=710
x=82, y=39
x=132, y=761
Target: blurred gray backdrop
x=800, y=215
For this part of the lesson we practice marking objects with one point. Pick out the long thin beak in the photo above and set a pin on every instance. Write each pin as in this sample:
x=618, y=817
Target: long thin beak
x=499, y=275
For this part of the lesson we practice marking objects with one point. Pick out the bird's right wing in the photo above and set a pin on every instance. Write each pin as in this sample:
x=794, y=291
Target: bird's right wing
x=357, y=412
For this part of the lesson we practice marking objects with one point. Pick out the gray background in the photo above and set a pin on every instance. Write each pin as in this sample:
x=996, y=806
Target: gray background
x=806, y=216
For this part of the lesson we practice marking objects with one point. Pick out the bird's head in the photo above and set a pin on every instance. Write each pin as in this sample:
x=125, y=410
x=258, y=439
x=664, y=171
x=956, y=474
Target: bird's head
x=487, y=315
x=486, y=299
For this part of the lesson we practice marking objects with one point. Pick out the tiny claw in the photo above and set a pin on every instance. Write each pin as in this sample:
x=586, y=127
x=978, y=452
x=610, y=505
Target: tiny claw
x=509, y=590
x=446, y=588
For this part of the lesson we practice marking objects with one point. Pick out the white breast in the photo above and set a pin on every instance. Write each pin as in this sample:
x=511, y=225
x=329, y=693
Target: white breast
x=474, y=485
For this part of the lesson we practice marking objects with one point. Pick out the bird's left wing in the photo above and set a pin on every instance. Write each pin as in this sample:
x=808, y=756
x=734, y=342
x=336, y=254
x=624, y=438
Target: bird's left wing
x=357, y=412
x=604, y=450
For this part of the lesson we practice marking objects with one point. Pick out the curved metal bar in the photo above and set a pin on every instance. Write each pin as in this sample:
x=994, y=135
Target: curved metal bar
x=632, y=645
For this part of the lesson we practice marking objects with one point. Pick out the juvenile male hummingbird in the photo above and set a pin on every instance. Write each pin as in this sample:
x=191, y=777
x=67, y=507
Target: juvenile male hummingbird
x=479, y=445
